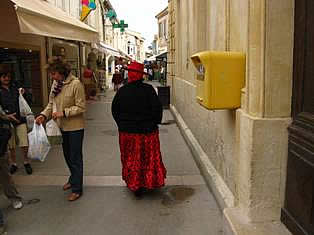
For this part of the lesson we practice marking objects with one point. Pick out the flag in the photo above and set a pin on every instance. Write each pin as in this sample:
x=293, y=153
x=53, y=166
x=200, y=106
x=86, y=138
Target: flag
x=87, y=7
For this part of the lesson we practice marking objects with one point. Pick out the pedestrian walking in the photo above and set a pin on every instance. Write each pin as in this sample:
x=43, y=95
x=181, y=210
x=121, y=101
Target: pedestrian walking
x=117, y=80
x=150, y=73
x=67, y=106
x=137, y=112
x=5, y=179
x=9, y=100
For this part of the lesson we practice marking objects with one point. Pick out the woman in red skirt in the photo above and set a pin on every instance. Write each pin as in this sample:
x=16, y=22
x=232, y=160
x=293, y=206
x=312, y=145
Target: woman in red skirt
x=137, y=112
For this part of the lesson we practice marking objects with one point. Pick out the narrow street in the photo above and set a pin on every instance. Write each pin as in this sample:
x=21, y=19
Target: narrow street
x=184, y=207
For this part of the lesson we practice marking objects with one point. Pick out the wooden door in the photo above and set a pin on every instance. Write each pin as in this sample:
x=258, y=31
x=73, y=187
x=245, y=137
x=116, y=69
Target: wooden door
x=298, y=211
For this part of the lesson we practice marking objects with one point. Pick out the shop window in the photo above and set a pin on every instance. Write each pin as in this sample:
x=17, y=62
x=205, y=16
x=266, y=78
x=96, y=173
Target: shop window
x=68, y=51
x=24, y=65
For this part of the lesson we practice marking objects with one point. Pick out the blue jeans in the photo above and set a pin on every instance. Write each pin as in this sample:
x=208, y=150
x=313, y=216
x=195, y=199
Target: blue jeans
x=72, y=149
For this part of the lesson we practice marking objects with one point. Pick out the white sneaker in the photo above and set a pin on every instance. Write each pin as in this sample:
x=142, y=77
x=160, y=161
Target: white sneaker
x=17, y=204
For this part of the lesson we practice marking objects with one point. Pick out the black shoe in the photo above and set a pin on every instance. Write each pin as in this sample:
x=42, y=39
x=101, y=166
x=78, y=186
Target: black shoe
x=139, y=193
x=13, y=169
x=28, y=168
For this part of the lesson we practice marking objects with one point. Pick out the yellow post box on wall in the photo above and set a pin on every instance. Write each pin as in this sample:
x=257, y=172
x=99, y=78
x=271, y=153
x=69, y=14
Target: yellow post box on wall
x=220, y=78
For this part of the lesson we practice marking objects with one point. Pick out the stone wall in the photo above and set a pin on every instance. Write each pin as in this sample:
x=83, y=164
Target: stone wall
x=248, y=148
x=215, y=130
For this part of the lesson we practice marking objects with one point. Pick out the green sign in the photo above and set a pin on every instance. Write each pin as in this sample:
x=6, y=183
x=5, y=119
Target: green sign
x=121, y=26
x=111, y=14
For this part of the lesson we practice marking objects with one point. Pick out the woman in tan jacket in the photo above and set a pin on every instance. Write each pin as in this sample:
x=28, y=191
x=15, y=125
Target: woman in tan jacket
x=67, y=107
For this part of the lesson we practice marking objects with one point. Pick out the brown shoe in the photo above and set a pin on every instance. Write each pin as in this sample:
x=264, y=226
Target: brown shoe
x=67, y=186
x=74, y=196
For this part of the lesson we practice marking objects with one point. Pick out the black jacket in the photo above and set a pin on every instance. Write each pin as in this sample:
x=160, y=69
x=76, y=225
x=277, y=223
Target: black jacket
x=9, y=100
x=5, y=132
x=136, y=108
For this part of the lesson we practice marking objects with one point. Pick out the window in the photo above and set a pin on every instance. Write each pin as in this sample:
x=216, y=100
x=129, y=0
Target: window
x=160, y=30
x=61, y=4
x=165, y=29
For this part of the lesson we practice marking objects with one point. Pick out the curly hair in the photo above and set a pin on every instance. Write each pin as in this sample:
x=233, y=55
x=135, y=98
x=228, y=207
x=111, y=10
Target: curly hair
x=57, y=64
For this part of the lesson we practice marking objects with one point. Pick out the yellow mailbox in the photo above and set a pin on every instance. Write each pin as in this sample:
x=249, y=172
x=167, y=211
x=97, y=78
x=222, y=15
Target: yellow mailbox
x=220, y=78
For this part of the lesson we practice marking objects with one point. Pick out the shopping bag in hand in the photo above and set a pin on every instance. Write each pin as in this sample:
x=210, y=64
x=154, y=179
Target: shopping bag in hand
x=53, y=133
x=38, y=143
x=24, y=107
x=30, y=118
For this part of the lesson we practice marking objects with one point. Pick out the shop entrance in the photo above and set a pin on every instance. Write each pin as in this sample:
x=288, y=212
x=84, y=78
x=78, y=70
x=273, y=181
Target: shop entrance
x=25, y=67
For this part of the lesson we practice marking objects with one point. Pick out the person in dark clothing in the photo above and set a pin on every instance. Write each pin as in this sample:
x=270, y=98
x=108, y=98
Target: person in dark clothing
x=137, y=112
x=5, y=179
x=117, y=80
x=9, y=100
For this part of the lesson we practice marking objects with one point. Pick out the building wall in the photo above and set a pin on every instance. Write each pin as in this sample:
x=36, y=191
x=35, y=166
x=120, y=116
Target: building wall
x=247, y=153
x=162, y=33
x=216, y=133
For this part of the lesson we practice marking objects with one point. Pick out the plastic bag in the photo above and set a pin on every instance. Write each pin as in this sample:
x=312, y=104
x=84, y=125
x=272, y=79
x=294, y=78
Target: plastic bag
x=24, y=107
x=53, y=133
x=38, y=143
x=30, y=118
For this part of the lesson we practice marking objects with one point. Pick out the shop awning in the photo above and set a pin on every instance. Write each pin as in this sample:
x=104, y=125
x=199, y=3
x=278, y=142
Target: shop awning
x=162, y=55
x=108, y=49
x=152, y=58
x=41, y=18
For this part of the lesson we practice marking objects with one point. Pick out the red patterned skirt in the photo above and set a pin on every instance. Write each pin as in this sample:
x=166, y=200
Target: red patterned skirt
x=142, y=165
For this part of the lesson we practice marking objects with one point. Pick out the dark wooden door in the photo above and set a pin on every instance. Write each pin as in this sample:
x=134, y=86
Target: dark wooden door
x=298, y=211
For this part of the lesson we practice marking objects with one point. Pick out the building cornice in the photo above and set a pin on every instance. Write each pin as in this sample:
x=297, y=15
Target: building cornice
x=162, y=13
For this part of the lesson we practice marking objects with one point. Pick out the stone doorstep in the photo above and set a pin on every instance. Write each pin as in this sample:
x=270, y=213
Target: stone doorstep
x=235, y=223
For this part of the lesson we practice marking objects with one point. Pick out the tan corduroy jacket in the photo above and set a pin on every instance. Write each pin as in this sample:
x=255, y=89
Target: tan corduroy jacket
x=71, y=101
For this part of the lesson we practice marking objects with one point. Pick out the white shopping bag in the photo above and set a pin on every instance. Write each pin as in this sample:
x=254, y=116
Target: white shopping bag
x=38, y=143
x=52, y=128
x=53, y=132
x=24, y=107
x=30, y=118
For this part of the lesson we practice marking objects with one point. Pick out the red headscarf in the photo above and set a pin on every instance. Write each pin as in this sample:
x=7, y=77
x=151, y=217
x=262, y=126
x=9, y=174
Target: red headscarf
x=135, y=71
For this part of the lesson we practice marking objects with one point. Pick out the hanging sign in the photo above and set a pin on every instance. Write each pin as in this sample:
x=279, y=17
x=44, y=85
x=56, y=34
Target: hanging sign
x=87, y=7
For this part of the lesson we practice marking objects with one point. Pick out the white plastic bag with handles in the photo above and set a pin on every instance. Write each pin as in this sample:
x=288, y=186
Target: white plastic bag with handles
x=53, y=133
x=30, y=118
x=38, y=143
x=24, y=107
x=53, y=130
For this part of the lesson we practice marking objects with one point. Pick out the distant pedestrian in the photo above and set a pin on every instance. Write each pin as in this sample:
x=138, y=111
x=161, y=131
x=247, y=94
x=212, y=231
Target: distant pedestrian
x=67, y=106
x=117, y=80
x=137, y=112
x=6, y=181
x=150, y=73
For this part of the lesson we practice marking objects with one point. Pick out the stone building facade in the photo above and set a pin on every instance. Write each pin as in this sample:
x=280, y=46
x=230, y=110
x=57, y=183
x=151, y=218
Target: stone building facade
x=162, y=36
x=243, y=152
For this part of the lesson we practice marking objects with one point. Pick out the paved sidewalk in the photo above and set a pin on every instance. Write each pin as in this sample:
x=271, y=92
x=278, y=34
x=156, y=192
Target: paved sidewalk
x=184, y=206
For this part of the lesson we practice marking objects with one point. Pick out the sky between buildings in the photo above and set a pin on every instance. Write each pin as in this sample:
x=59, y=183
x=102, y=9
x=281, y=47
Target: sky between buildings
x=140, y=15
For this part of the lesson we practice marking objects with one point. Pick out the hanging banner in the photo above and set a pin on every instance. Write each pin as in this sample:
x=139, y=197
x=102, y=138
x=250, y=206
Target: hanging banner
x=87, y=7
